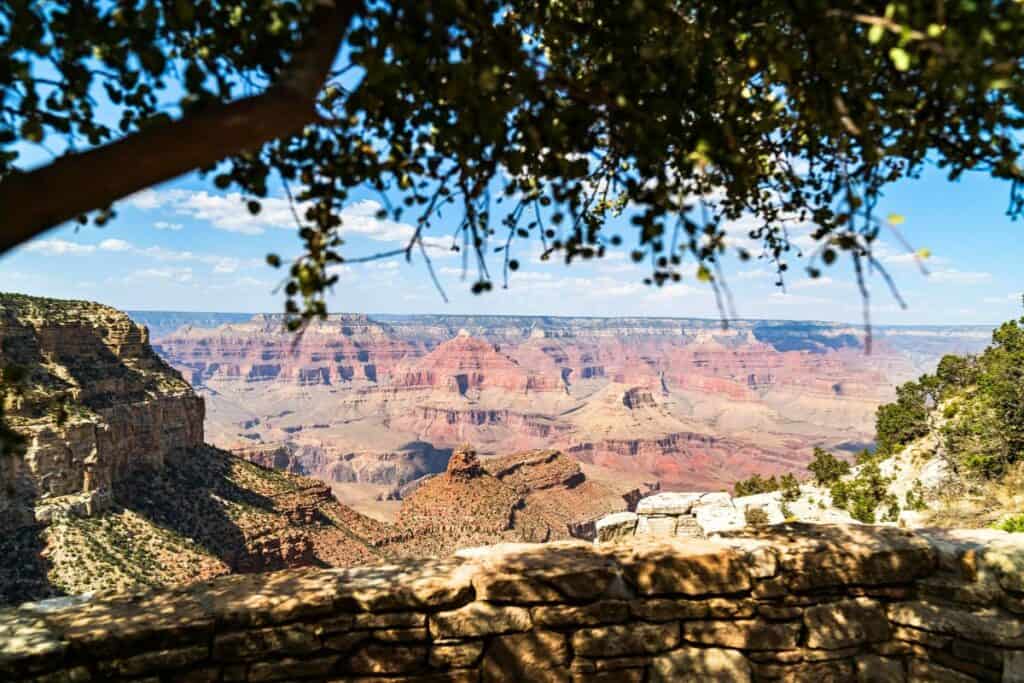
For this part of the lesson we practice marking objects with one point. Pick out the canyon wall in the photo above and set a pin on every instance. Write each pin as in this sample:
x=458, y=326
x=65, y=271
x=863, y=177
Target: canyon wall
x=93, y=401
x=791, y=603
x=370, y=399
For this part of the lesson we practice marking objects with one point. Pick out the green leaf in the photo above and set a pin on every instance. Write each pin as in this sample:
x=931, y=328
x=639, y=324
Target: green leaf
x=900, y=58
x=875, y=34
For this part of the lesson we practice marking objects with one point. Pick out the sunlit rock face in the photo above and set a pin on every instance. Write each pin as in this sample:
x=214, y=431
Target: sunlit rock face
x=93, y=401
x=680, y=401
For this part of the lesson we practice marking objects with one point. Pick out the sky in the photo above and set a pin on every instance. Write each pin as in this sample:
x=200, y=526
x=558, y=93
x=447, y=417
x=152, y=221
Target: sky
x=187, y=246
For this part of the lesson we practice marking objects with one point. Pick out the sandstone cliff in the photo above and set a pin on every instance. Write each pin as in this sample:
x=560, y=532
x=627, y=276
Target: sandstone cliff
x=115, y=488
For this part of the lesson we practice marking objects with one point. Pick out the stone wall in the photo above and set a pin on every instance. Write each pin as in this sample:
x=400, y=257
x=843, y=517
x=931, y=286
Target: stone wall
x=793, y=603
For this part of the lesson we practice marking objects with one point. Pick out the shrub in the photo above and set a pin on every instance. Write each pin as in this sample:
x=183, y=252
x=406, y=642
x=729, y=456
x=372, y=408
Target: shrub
x=899, y=423
x=755, y=516
x=790, y=487
x=862, y=495
x=915, y=497
x=754, y=485
x=1014, y=524
x=826, y=468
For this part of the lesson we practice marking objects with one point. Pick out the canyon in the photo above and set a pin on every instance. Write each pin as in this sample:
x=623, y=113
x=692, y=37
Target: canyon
x=112, y=485
x=372, y=404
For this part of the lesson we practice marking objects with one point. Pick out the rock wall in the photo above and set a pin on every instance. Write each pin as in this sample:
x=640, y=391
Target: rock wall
x=707, y=513
x=792, y=603
x=93, y=401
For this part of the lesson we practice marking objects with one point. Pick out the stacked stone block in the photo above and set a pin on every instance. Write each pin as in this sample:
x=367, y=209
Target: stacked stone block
x=791, y=603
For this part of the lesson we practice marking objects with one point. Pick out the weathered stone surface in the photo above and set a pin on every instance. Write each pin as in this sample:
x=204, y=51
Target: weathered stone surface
x=582, y=665
x=289, y=669
x=245, y=645
x=456, y=654
x=27, y=644
x=843, y=624
x=823, y=555
x=682, y=566
x=698, y=619
x=836, y=671
x=704, y=664
x=748, y=634
x=155, y=661
x=561, y=616
x=368, y=620
x=479, y=619
x=260, y=599
x=162, y=620
x=525, y=573
x=380, y=658
x=534, y=656
x=656, y=525
x=411, y=585
x=620, y=676
x=986, y=625
x=670, y=503
x=921, y=670
x=625, y=639
x=874, y=669
x=779, y=612
x=617, y=525
x=715, y=513
x=1013, y=666
x=668, y=609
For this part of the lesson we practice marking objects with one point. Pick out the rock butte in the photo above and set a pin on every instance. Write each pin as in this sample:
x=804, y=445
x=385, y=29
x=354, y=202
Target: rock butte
x=791, y=603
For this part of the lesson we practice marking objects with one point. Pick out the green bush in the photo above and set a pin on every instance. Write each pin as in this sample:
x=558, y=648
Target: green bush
x=790, y=487
x=915, y=498
x=864, y=494
x=755, y=516
x=826, y=468
x=754, y=485
x=1014, y=524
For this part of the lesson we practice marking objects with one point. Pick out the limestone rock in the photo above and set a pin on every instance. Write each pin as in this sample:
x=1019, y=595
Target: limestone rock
x=846, y=623
x=667, y=504
x=479, y=619
x=749, y=634
x=626, y=639
x=682, y=566
x=615, y=526
x=704, y=664
x=535, y=656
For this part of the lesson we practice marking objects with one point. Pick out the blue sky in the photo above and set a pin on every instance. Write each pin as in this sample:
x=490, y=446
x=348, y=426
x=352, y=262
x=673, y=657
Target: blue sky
x=187, y=246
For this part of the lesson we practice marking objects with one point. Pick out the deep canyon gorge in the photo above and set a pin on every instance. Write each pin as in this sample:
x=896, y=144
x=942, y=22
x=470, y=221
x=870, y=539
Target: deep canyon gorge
x=374, y=405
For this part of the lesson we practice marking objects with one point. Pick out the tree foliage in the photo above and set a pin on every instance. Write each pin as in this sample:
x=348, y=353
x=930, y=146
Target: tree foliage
x=827, y=468
x=687, y=114
x=981, y=429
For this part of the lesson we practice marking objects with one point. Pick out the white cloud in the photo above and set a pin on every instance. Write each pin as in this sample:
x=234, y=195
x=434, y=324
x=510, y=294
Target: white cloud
x=145, y=200
x=954, y=276
x=226, y=265
x=1015, y=296
x=180, y=275
x=115, y=245
x=59, y=247
x=229, y=212
x=164, y=225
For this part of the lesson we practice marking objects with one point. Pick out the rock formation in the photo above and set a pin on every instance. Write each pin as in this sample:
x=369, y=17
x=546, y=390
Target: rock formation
x=115, y=488
x=680, y=401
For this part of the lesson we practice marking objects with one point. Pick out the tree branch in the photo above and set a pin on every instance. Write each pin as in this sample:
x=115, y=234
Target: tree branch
x=74, y=184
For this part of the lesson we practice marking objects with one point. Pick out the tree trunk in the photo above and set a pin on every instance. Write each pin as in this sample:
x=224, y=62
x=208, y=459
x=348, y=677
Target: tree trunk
x=33, y=202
